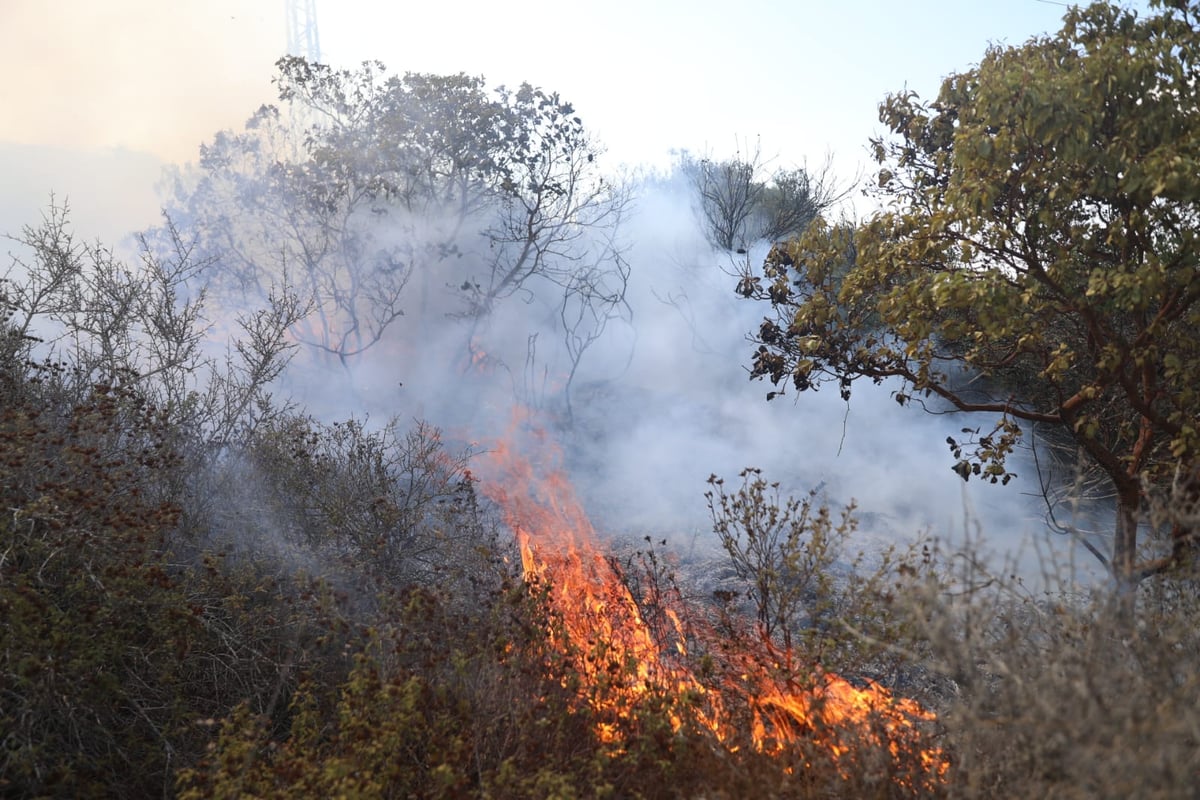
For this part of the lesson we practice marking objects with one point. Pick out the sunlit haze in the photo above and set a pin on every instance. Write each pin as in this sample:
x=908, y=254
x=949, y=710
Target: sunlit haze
x=154, y=78
x=100, y=97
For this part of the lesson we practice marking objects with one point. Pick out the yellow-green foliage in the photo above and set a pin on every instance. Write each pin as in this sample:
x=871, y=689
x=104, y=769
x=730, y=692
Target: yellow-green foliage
x=1036, y=258
x=442, y=704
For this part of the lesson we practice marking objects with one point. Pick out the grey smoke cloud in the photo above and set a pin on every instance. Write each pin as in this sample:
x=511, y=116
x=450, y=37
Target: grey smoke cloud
x=110, y=190
x=663, y=400
x=660, y=402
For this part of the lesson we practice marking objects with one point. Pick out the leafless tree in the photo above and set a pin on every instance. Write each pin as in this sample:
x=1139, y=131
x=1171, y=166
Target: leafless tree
x=739, y=202
x=142, y=327
x=470, y=195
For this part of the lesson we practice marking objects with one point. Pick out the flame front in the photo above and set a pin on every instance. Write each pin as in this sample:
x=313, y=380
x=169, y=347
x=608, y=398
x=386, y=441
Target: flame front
x=618, y=649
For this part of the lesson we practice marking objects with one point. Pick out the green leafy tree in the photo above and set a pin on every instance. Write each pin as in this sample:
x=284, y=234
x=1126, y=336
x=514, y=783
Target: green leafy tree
x=1035, y=259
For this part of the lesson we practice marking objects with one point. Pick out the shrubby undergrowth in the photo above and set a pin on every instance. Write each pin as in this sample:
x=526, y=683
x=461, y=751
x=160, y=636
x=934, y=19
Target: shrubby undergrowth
x=205, y=593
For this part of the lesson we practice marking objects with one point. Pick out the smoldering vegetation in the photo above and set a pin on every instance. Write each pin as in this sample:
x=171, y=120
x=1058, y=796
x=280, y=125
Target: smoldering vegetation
x=247, y=552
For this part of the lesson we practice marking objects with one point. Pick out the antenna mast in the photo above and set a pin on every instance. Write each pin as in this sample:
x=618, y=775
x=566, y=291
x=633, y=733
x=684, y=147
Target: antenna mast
x=302, y=29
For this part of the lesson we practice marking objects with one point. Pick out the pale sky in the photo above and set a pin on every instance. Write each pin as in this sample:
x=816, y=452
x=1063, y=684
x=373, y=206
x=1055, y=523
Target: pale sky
x=157, y=77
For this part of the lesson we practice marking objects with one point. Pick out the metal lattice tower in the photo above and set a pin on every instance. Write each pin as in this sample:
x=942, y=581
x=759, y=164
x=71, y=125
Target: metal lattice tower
x=302, y=37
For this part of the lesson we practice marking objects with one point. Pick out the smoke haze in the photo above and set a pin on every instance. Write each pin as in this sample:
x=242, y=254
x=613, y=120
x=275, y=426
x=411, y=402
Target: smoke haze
x=663, y=400
x=111, y=191
x=660, y=401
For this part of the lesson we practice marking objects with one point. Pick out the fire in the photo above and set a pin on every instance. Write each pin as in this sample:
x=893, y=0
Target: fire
x=559, y=550
x=477, y=359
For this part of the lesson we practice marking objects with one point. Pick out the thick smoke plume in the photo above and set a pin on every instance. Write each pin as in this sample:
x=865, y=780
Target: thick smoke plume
x=662, y=401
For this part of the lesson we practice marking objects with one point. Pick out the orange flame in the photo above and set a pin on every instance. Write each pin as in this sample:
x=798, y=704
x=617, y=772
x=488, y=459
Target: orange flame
x=559, y=549
x=477, y=359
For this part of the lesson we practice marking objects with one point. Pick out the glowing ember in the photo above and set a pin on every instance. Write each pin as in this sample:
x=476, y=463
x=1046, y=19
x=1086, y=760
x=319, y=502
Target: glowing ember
x=559, y=550
x=477, y=359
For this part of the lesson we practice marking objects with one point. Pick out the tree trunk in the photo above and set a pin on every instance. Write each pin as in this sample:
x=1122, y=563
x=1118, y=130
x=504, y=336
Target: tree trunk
x=1124, y=555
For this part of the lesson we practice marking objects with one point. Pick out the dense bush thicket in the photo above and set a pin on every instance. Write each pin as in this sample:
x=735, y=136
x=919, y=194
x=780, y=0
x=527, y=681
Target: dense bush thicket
x=205, y=594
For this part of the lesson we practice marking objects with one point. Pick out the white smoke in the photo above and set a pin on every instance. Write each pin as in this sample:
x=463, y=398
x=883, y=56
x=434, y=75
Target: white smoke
x=663, y=401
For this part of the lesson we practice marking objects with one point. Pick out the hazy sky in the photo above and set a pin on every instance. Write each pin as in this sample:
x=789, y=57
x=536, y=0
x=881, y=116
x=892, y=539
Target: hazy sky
x=160, y=76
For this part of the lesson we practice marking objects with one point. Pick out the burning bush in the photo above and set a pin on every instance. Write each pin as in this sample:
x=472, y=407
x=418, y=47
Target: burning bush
x=266, y=605
x=756, y=686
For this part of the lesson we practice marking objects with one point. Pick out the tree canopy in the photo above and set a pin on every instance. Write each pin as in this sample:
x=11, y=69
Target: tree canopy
x=738, y=202
x=378, y=196
x=1035, y=258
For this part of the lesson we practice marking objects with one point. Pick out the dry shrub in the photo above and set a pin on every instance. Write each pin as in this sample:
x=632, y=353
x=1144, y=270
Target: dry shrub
x=1061, y=692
